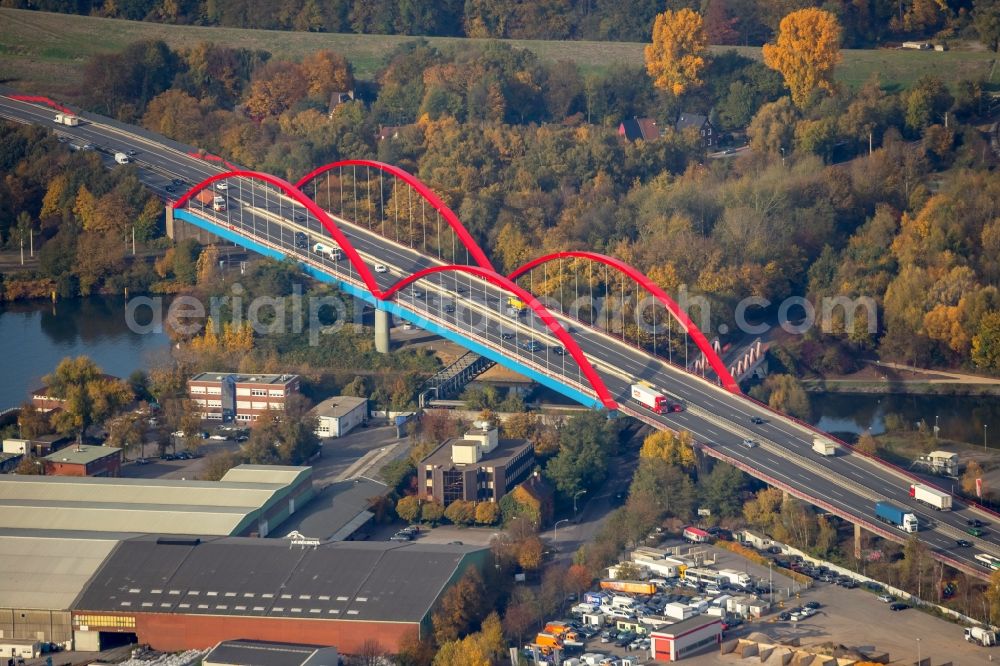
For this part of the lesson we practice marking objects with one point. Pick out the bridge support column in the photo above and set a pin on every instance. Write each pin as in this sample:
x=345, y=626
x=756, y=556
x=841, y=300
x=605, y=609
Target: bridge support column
x=381, y=331
x=857, y=541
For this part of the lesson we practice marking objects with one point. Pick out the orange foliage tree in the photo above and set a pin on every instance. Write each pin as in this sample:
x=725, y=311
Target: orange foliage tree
x=806, y=52
x=677, y=55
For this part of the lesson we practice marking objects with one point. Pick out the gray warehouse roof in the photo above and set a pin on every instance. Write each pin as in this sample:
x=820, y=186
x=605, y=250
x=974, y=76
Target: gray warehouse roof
x=48, y=572
x=336, y=511
x=338, y=406
x=165, y=506
x=266, y=653
x=274, y=578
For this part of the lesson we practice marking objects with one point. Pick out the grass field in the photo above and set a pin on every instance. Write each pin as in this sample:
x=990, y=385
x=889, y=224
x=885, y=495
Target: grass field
x=42, y=52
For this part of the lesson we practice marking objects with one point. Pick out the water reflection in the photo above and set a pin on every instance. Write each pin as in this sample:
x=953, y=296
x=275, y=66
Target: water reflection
x=36, y=335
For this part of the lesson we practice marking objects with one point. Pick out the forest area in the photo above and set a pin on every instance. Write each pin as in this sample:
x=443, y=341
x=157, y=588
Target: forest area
x=879, y=194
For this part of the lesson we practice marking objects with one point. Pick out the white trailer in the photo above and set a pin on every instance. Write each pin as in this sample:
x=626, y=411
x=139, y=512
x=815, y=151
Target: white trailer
x=933, y=497
x=824, y=446
x=67, y=119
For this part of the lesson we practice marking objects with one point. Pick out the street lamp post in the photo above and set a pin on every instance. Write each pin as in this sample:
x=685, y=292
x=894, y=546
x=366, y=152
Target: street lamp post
x=555, y=528
x=918, y=653
x=575, y=496
x=984, y=438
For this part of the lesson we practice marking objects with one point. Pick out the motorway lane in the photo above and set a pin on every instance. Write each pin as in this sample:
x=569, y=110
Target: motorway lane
x=618, y=363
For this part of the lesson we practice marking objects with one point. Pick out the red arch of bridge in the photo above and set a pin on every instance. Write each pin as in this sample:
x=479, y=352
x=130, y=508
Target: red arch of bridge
x=352, y=254
x=632, y=272
x=456, y=225
x=551, y=322
x=487, y=273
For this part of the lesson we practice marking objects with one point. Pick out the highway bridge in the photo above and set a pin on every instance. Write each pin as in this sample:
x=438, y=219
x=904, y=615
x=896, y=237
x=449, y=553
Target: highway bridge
x=407, y=254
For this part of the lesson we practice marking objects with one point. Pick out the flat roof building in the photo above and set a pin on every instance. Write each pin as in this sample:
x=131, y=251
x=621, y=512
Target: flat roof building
x=339, y=415
x=685, y=638
x=477, y=468
x=84, y=460
x=250, y=500
x=227, y=397
x=338, y=511
x=181, y=593
x=267, y=653
x=43, y=572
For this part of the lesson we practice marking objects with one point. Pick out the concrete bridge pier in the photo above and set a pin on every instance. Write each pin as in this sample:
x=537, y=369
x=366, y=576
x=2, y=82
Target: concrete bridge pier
x=857, y=541
x=381, y=331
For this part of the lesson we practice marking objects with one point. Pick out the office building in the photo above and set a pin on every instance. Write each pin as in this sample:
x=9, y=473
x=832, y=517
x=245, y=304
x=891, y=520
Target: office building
x=478, y=467
x=242, y=398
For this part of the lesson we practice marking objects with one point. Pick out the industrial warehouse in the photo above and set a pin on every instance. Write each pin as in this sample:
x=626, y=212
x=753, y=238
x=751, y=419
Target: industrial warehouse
x=185, y=593
x=178, y=565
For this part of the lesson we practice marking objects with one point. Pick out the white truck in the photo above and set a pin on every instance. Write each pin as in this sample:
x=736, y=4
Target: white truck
x=122, y=158
x=652, y=398
x=824, y=446
x=980, y=636
x=67, y=119
x=933, y=497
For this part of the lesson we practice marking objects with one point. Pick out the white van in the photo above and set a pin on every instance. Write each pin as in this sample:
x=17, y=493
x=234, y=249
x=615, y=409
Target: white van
x=122, y=158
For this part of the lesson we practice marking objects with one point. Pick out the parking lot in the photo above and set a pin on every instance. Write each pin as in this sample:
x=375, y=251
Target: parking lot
x=850, y=617
x=361, y=452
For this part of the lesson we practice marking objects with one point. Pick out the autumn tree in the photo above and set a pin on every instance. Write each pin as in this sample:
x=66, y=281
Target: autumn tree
x=673, y=448
x=993, y=596
x=867, y=444
x=806, y=52
x=126, y=431
x=487, y=513
x=279, y=86
x=431, y=511
x=408, y=508
x=461, y=512
x=32, y=422
x=676, y=57
x=327, y=72
x=89, y=395
x=973, y=471
x=772, y=129
x=460, y=607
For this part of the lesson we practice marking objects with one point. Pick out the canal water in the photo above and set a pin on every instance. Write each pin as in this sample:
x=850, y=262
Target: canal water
x=36, y=335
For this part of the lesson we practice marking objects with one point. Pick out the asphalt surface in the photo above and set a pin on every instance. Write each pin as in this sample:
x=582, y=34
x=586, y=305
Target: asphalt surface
x=847, y=484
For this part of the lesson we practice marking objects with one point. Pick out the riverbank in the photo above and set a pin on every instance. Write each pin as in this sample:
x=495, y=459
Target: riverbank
x=896, y=378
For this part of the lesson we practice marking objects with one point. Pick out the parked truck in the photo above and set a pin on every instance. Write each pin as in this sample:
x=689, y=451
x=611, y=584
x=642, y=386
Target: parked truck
x=980, y=636
x=649, y=396
x=893, y=515
x=67, y=119
x=824, y=446
x=938, y=499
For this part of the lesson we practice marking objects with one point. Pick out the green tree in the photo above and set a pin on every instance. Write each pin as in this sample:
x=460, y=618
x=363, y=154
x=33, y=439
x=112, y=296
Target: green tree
x=986, y=18
x=585, y=443
x=772, y=130
x=986, y=342
x=90, y=396
x=721, y=490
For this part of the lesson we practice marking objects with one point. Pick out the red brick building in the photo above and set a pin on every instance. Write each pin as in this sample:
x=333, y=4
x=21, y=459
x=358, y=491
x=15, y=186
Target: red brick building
x=185, y=593
x=84, y=460
x=242, y=398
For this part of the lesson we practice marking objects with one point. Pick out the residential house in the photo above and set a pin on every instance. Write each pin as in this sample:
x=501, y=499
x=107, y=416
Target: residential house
x=635, y=129
x=388, y=132
x=700, y=123
x=338, y=98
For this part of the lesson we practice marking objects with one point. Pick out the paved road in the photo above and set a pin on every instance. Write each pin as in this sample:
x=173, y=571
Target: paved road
x=848, y=484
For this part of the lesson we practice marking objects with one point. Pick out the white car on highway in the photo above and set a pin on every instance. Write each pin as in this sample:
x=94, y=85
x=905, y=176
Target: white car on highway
x=381, y=268
x=222, y=186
